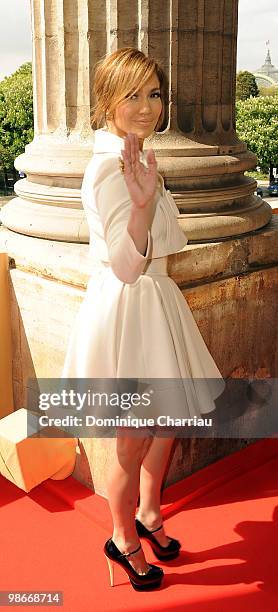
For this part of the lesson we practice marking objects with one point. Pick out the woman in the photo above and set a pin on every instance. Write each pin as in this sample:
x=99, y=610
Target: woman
x=134, y=321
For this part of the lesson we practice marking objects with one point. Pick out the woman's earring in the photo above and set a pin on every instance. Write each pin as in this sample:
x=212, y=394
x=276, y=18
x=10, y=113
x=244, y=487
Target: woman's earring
x=109, y=117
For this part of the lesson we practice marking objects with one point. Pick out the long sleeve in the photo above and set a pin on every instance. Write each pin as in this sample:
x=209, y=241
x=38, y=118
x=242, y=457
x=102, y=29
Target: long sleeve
x=113, y=203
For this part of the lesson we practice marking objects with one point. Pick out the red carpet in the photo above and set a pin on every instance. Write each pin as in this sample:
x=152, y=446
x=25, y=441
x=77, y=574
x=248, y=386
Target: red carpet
x=225, y=516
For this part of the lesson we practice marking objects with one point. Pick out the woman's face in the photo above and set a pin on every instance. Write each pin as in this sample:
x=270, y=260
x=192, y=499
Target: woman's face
x=138, y=114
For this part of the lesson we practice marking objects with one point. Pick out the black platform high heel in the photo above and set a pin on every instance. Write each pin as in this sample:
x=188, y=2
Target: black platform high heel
x=163, y=553
x=140, y=582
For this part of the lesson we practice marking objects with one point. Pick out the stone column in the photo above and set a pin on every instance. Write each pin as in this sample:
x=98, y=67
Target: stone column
x=48, y=203
x=199, y=153
x=201, y=157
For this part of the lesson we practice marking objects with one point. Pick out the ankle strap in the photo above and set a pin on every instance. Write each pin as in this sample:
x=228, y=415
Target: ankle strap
x=131, y=553
x=157, y=529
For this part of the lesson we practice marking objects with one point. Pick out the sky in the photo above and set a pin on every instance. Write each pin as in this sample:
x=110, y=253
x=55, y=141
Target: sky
x=257, y=23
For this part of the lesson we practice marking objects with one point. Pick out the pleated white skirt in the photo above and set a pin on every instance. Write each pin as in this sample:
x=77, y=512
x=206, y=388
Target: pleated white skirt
x=144, y=330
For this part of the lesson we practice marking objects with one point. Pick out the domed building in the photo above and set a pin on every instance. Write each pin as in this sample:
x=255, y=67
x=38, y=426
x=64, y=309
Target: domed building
x=267, y=75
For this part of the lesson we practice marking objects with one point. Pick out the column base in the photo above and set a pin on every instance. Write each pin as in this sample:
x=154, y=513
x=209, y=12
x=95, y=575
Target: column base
x=214, y=197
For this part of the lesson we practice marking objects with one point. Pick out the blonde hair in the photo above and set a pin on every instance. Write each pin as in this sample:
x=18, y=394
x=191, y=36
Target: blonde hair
x=119, y=75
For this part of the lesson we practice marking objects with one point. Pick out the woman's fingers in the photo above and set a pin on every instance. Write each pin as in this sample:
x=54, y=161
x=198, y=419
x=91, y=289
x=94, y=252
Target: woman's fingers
x=127, y=149
x=134, y=148
x=151, y=158
x=131, y=149
x=141, y=181
x=128, y=154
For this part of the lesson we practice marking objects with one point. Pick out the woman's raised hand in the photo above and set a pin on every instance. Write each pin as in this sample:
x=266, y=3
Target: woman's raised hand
x=141, y=181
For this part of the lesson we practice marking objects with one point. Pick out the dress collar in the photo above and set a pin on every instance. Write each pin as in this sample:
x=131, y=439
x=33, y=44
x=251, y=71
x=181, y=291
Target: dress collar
x=106, y=142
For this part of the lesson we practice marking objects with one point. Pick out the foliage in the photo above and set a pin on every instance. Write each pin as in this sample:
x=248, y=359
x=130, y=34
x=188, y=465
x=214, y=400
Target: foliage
x=257, y=125
x=16, y=114
x=268, y=91
x=259, y=176
x=246, y=85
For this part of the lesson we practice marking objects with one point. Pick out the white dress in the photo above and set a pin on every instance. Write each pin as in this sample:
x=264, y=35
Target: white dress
x=134, y=322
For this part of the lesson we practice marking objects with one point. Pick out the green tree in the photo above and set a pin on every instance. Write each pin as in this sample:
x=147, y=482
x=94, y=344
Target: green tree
x=16, y=114
x=246, y=85
x=257, y=125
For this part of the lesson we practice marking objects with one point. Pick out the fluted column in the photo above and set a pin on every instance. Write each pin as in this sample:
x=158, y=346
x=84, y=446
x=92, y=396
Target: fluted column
x=198, y=151
x=200, y=155
x=48, y=203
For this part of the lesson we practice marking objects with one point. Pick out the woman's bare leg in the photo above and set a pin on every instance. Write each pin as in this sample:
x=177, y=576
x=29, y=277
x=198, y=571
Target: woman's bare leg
x=151, y=476
x=123, y=490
